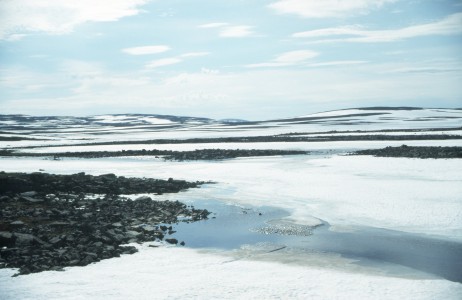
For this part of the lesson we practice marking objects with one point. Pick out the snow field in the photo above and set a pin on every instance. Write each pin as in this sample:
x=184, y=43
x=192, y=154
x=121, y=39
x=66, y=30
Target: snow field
x=180, y=273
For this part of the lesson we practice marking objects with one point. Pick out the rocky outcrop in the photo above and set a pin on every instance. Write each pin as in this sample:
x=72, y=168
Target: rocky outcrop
x=414, y=152
x=203, y=154
x=55, y=227
x=76, y=183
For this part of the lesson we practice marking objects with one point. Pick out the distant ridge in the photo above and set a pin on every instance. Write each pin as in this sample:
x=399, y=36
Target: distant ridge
x=389, y=108
x=350, y=116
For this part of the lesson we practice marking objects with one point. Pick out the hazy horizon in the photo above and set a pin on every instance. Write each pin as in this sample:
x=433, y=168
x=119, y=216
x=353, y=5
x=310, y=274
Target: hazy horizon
x=227, y=59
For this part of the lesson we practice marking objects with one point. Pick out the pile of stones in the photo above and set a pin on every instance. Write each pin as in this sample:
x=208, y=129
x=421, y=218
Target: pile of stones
x=414, y=152
x=46, y=223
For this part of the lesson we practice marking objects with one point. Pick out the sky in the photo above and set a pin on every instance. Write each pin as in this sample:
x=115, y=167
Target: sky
x=247, y=59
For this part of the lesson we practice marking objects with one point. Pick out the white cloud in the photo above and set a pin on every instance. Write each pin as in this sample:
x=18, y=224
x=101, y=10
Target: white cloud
x=60, y=17
x=146, y=50
x=15, y=37
x=163, y=62
x=338, y=63
x=237, y=31
x=195, y=54
x=230, y=31
x=326, y=8
x=295, y=56
x=213, y=25
x=173, y=60
x=450, y=25
x=287, y=59
x=253, y=93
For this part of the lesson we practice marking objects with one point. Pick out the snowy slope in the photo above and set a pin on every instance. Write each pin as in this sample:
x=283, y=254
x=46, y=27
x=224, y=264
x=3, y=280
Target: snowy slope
x=72, y=130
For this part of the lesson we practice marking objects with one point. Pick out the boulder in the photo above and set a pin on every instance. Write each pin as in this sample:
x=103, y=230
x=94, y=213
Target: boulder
x=7, y=239
x=172, y=241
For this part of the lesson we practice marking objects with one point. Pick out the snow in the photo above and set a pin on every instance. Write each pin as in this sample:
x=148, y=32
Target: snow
x=307, y=146
x=415, y=119
x=413, y=195
x=179, y=273
x=334, y=113
x=109, y=119
x=421, y=196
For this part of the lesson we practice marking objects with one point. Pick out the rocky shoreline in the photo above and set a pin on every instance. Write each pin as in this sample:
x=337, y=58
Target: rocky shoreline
x=48, y=222
x=414, y=152
x=202, y=154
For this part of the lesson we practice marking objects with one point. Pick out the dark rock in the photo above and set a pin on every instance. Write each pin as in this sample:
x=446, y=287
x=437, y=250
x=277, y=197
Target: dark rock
x=128, y=250
x=23, y=239
x=172, y=241
x=5, y=199
x=414, y=152
x=30, y=199
x=29, y=194
x=66, y=228
x=7, y=239
x=17, y=223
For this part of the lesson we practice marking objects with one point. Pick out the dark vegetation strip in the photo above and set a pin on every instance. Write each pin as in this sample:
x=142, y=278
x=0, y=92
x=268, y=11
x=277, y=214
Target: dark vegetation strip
x=414, y=152
x=268, y=139
x=48, y=222
x=372, y=131
x=204, y=154
x=17, y=138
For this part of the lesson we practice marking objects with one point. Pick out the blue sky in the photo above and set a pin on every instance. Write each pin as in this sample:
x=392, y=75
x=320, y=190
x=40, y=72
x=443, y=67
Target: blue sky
x=250, y=59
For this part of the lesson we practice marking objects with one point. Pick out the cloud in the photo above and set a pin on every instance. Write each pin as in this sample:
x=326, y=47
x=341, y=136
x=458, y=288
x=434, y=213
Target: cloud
x=252, y=94
x=338, y=63
x=237, y=31
x=163, y=62
x=326, y=8
x=213, y=25
x=230, y=31
x=195, y=54
x=173, y=60
x=450, y=25
x=60, y=17
x=287, y=59
x=146, y=50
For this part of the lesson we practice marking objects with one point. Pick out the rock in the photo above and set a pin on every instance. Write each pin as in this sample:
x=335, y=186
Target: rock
x=172, y=241
x=5, y=199
x=59, y=224
x=149, y=228
x=64, y=228
x=6, y=239
x=128, y=250
x=57, y=240
x=132, y=234
x=29, y=194
x=30, y=199
x=86, y=261
x=24, y=239
x=17, y=223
